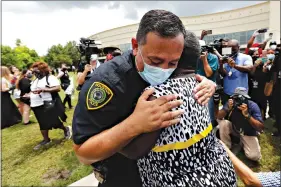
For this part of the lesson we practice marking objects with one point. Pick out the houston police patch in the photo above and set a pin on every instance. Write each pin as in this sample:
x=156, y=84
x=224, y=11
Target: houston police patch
x=98, y=96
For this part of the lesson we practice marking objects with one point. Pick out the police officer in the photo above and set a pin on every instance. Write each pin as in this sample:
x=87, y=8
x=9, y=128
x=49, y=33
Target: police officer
x=111, y=110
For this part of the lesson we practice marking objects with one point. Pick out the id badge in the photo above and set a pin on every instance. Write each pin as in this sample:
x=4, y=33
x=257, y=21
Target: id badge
x=230, y=73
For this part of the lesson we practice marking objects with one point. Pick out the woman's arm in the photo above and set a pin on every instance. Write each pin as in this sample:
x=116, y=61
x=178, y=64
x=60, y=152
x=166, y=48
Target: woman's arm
x=52, y=89
x=4, y=86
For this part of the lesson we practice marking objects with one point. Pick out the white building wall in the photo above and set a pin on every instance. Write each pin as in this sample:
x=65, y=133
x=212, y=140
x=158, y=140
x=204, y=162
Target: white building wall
x=263, y=15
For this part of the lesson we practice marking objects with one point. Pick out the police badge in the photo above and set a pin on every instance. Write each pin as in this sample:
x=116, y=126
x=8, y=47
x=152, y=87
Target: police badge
x=98, y=95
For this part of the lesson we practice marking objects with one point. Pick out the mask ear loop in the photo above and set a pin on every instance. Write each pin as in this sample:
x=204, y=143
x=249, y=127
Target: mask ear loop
x=136, y=60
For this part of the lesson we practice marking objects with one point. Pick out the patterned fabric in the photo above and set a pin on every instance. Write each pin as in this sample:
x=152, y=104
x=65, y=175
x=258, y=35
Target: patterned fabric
x=203, y=164
x=269, y=179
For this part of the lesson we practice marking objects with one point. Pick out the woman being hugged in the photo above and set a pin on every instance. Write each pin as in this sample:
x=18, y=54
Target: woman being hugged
x=43, y=96
x=188, y=153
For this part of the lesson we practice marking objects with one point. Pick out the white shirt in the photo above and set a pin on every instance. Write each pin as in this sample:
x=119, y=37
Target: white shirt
x=4, y=81
x=38, y=99
x=98, y=64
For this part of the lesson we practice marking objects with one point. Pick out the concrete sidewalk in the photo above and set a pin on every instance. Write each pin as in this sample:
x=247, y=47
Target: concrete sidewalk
x=89, y=180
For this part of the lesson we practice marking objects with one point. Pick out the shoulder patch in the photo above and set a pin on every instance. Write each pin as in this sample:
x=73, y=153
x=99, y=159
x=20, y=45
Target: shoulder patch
x=98, y=95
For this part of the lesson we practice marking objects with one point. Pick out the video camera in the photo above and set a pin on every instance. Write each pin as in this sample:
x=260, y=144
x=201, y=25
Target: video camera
x=217, y=44
x=87, y=47
x=238, y=100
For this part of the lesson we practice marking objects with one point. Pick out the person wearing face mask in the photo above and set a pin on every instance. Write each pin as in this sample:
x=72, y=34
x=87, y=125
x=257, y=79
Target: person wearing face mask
x=235, y=70
x=88, y=69
x=257, y=80
x=269, y=56
x=273, y=89
x=170, y=161
x=65, y=84
x=112, y=110
x=44, y=100
x=23, y=85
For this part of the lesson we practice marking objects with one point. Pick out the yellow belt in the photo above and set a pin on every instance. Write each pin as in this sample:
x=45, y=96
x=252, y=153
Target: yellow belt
x=183, y=145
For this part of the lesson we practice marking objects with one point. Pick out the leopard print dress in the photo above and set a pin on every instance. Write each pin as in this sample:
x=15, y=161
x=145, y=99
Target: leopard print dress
x=202, y=164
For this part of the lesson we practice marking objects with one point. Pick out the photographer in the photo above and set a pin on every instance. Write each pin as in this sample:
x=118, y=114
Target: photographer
x=242, y=121
x=257, y=81
x=235, y=70
x=88, y=69
x=65, y=84
x=273, y=87
x=259, y=47
x=207, y=66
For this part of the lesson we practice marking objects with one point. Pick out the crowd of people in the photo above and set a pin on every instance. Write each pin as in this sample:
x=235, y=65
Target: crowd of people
x=145, y=119
x=37, y=90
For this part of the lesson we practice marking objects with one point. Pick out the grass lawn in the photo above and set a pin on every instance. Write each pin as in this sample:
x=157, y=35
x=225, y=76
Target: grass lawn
x=57, y=165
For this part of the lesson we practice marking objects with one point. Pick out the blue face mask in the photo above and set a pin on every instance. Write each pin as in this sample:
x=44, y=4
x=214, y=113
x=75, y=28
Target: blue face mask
x=154, y=75
x=270, y=56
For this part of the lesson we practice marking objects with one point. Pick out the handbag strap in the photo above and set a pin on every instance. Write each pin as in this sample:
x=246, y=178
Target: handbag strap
x=55, y=95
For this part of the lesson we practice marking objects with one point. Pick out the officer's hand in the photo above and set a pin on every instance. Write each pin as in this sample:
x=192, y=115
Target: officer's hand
x=88, y=68
x=204, y=90
x=150, y=116
x=230, y=104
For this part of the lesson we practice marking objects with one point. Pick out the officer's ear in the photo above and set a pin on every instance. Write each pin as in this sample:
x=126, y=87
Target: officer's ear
x=135, y=46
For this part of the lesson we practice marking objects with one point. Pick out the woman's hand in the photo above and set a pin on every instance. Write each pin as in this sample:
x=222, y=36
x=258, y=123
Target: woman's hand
x=27, y=95
x=204, y=90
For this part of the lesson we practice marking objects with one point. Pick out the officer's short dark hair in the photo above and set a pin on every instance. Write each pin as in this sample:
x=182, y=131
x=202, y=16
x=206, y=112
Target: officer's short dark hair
x=191, y=52
x=164, y=23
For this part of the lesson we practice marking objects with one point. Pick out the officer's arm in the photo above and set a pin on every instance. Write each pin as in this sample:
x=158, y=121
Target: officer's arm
x=106, y=143
x=141, y=145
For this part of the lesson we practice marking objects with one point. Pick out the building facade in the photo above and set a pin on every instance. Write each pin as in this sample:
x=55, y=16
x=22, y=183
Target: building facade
x=234, y=24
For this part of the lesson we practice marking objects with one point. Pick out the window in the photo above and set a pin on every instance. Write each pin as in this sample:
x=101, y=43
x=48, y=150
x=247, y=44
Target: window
x=242, y=37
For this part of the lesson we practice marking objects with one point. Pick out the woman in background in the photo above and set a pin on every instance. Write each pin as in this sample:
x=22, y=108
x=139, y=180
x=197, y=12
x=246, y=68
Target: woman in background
x=23, y=84
x=9, y=113
x=15, y=73
x=65, y=85
x=43, y=97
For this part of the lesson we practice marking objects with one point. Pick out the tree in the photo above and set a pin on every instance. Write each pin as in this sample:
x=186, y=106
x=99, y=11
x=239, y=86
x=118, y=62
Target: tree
x=71, y=50
x=20, y=56
x=8, y=56
x=59, y=54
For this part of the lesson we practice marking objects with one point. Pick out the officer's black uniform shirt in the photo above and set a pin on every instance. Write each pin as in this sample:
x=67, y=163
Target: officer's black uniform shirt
x=105, y=100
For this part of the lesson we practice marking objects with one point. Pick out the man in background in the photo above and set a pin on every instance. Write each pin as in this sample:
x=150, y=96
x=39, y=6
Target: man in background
x=235, y=70
x=242, y=121
x=207, y=66
x=88, y=69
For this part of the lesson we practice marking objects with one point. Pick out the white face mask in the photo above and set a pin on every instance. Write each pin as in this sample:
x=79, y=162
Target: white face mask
x=273, y=47
x=154, y=75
